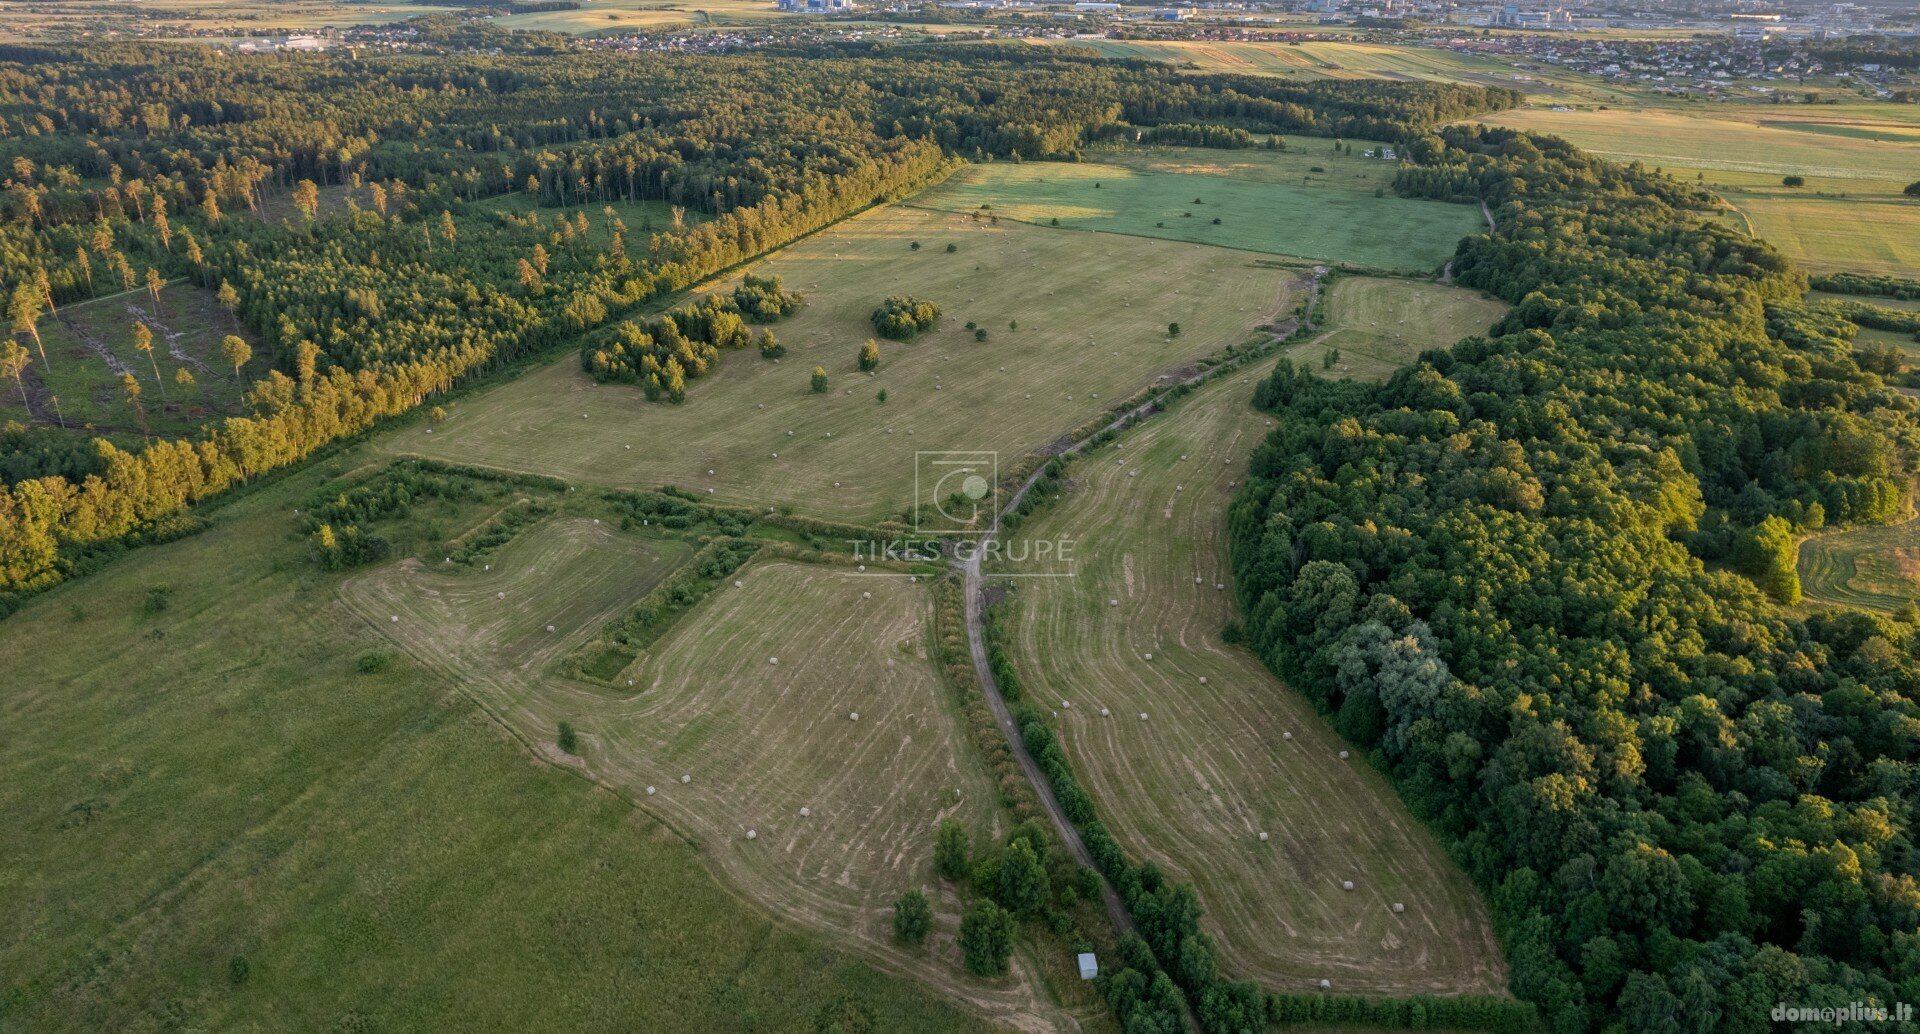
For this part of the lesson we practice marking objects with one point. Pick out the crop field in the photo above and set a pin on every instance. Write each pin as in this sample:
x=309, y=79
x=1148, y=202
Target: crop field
x=1855, y=159
x=1380, y=325
x=596, y=17
x=749, y=696
x=1091, y=315
x=1875, y=567
x=1328, y=59
x=90, y=344
x=1136, y=631
x=242, y=808
x=159, y=17
x=1305, y=202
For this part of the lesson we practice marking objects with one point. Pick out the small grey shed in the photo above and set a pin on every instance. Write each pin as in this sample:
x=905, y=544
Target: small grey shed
x=1089, y=966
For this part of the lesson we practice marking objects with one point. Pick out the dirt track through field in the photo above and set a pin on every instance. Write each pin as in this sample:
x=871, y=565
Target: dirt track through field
x=757, y=740
x=1194, y=785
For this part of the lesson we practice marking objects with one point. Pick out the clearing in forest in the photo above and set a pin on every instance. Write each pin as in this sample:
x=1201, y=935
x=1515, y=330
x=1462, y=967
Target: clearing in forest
x=1306, y=201
x=89, y=345
x=1073, y=324
x=1226, y=753
x=1875, y=567
x=1380, y=325
x=751, y=698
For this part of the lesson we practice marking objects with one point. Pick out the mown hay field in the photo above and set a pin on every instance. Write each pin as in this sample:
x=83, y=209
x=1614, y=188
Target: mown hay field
x=1135, y=630
x=750, y=698
x=1074, y=323
x=1875, y=567
x=217, y=819
x=1378, y=325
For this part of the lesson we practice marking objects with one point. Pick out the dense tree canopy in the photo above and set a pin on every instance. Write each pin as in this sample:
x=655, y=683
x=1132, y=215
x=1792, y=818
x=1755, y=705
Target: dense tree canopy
x=1503, y=570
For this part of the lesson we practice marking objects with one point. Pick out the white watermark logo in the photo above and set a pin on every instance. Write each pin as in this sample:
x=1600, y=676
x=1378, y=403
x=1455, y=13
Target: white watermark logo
x=1841, y=1015
x=952, y=492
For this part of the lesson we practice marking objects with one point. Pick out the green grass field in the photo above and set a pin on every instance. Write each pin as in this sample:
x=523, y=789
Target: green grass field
x=1875, y=567
x=1856, y=160
x=89, y=344
x=1136, y=630
x=1267, y=201
x=1092, y=312
x=218, y=780
x=1379, y=325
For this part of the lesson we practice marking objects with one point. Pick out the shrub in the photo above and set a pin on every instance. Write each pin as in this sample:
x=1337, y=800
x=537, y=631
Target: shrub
x=568, y=740
x=912, y=917
x=157, y=599
x=950, y=850
x=372, y=661
x=820, y=380
x=986, y=938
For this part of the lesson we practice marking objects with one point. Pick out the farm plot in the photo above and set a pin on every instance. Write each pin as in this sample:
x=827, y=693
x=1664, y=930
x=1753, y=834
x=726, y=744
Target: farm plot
x=244, y=778
x=1307, y=202
x=751, y=698
x=1855, y=161
x=1225, y=753
x=1328, y=59
x=1874, y=568
x=1074, y=323
x=89, y=346
x=1380, y=325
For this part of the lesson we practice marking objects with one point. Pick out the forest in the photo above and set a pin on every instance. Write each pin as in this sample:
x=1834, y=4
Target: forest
x=1539, y=576
x=135, y=164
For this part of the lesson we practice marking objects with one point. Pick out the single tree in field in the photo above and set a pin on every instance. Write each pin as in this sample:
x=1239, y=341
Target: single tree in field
x=950, y=850
x=143, y=342
x=1793, y=181
x=912, y=916
x=26, y=316
x=820, y=379
x=13, y=363
x=568, y=740
x=132, y=388
x=986, y=938
x=870, y=356
x=1913, y=189
x=1173, y=330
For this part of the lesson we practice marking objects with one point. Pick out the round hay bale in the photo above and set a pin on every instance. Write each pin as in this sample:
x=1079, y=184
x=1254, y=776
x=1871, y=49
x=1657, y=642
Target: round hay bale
x=737, y=583
x=1143, y=716
x=776, y=455
x=1263, y=838
x=651, y=791
x=1346, y=884
x=1149, y=657
x=686, y=779
x=1203, y=680
x=866, y=595
x=1113, y=603
x=1325, y=983
x=1343, y=755
x=1104, y=712
x=549, y=628
x=853, y=716
x=1066, y=703
x=804, y=812
x=1286, y=735
x=499, y=595
x=773, y=660
x=1398, y=907
x=752, y=835
x=861, y=567
x=396, y=619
